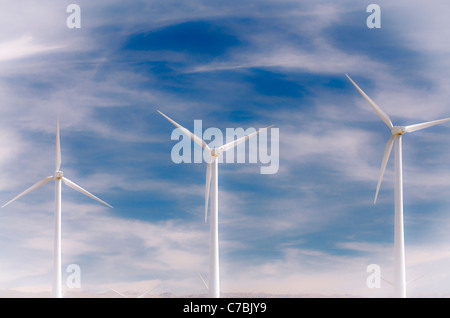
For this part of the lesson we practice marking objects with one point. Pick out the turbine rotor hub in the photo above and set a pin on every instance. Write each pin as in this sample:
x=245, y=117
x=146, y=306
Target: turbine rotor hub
x=398, y=130
x=58, y=174
x=215, y=152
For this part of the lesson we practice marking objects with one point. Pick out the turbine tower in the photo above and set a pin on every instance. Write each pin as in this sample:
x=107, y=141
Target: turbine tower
x=57, y=176
x=396, y=138
x=211, y=189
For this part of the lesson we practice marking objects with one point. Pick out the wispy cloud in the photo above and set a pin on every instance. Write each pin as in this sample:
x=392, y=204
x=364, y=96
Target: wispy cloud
x=309, y=229
x=23, y=47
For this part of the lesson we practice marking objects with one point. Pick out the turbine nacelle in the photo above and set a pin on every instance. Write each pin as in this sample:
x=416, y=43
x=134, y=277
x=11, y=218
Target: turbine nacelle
x=215, y=152
x=398, y=130
x=58, y=175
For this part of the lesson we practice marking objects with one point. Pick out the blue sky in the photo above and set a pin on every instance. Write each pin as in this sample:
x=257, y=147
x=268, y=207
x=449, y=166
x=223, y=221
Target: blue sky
x=311, y=228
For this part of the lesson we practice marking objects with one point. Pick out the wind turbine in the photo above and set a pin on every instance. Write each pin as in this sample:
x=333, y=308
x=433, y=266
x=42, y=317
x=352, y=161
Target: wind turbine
x=57, y=176
x=212, y=190
x=396, y=138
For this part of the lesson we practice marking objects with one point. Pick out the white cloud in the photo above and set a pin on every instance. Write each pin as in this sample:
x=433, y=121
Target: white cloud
x=23, y=47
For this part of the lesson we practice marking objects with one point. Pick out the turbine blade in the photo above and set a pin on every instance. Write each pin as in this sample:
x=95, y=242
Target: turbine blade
x=58, y=146
x=119, y=293
x=195, y=138
x=203, y=281
x=80, y=189
x=148, y=291
x=236, y=142
x=384, y=117
x=387, y=152
x=208, y=186
x=417, y=278
x=33, y=187
x=386, y=281
x=412, y=128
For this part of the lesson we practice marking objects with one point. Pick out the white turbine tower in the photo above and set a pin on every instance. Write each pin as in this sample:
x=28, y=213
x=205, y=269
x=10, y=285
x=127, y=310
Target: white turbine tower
x=396, y=137
x=212, y=189
x=58, y=176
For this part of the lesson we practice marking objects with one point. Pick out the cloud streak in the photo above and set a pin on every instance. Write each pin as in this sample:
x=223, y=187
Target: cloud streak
x=310, y=229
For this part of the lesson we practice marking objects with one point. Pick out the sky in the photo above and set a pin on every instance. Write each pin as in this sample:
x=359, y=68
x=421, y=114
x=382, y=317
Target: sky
x=309, y=227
